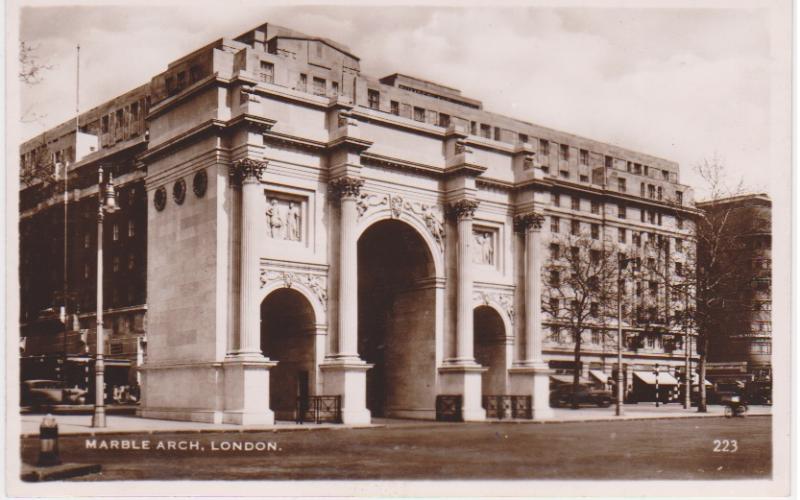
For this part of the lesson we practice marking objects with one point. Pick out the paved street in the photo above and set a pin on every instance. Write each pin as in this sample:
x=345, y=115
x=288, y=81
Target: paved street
x=634, y=449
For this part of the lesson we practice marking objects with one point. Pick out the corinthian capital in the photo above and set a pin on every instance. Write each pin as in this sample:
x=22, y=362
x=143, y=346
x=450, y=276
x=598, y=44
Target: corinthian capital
x=346, y=187
x=247, y=170
x=529, y=221
x=463, y=209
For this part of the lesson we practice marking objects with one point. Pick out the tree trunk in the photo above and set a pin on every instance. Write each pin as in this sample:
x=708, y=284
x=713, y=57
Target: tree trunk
x=576, y=372
x=701, y=404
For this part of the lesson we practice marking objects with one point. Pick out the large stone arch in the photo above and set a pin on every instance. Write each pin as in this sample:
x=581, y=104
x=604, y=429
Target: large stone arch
x=492, y=347
x=313, y=286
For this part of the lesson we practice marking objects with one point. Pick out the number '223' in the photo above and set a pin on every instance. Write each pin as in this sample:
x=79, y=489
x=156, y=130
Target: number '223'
x=725, y=446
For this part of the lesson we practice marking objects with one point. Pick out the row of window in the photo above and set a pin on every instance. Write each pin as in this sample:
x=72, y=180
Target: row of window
x=115, y=233
x=622, y=234
x=651, y=216
x=115, y=265
x=651, y=341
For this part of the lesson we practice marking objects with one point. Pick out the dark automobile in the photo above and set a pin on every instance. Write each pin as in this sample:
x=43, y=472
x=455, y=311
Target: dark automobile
x=50, y=392
x=563, y=396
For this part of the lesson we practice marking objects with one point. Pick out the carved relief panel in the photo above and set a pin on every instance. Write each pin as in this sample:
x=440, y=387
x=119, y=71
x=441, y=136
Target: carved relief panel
x=484, y=249
x=286, y=216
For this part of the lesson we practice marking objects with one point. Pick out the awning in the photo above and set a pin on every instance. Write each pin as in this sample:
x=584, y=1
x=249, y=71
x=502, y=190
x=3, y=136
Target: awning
x=601, y=376
x=696, y=377
x=664, y=378
x=567, y=379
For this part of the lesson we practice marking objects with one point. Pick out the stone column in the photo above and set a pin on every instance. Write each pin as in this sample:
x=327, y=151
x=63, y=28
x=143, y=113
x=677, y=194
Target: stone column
x=344, y=373
x=531, y=375
x=246, y=370
x=461, y=375
x=464, y=210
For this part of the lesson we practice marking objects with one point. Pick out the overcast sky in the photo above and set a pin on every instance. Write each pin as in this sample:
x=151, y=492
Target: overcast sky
x=682, y=84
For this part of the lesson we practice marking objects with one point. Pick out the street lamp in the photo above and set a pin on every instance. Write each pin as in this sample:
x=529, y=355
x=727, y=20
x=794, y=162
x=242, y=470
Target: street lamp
x=107, y=203
x=655, y=372
x=623, y=263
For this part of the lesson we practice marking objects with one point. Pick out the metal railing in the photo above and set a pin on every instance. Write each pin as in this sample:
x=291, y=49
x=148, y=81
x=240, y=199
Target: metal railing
x=319, y=409
x=448, y=408
x=507, y=406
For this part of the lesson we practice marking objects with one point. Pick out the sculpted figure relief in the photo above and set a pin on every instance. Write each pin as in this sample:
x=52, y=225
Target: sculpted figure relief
x=293, y=222
x=274, y=219
x=484, y=251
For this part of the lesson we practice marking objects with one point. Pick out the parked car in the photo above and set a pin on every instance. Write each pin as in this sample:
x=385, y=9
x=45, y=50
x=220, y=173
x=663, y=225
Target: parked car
x=562, y=396
x=50, y=392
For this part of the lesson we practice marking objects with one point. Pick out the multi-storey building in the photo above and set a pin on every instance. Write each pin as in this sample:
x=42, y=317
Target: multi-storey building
x=744, y=333
x=381, y=240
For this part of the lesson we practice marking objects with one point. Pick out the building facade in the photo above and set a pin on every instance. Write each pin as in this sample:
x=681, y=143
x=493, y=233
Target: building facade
x=741, y=349
x=313, y=231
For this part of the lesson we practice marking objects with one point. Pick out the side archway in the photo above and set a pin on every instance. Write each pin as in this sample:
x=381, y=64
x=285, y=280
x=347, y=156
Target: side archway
x=288, y=336
x=491, y=349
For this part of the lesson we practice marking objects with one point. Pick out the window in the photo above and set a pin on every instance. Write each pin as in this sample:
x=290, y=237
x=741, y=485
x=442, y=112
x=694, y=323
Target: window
x=596, y=339
x=660, y=194
x=679, y=197
x=131, y=261
x=394, y=108
x=576, y=203
x=135, y=112
x=651, y=341
x=564, y=155
x=115, y=232
x=679, y=269
x=523, y=138
x=641, y=191
x=621, y=185
x=497, y=133
x=335, y=88
x=115, y=263
x=623, y=235
x=555, y=199
x=104, y=124
x=653, y=287
x=622, y=211
x=486, y=131
x=575, y=253
x=555, y=278
x=646, y=170
x=665, y=175
x=636, y=239
x=638, y=288
x=267, y=73
x=609, y=162
x=554, y=303
x=678, y=245
x=302, y=83
x=584, y=156
x=584, y=178
x=564, y=174
x=595, y=232
x=637, y=168
x=651, y=215
x=473, y=128
x=419, y=114
x=594, y=309
x=659, y=218
x=643, y=214
x=651, y=191
x=87, y=240
x=131, y=229
x=555, y=224
x=374, y=100
x=594, y=256
x=545, y=169
x=555, y=334
x=629, y=166
x=319, y=86
x=595, y=207
x=555, y=251
x=444, y=120
x=575, y=227
x=544, y=147
x=679, y=222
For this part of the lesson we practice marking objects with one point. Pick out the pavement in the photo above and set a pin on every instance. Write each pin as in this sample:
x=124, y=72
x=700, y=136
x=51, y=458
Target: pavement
x=130, y=424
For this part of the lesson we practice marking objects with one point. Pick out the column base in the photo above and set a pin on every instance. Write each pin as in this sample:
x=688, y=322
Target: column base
x=247, y=390
x=463, y=377
x=531, y=378
x=347, y=377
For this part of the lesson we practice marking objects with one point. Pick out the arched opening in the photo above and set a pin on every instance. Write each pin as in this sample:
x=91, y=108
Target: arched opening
x=490, y=349
x=396, y=320
x=287, y=336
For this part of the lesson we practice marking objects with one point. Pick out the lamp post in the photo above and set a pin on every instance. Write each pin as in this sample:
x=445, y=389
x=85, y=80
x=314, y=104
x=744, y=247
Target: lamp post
x=107, y=202
x=620, y=385
x=687, y=349
x=655, y=372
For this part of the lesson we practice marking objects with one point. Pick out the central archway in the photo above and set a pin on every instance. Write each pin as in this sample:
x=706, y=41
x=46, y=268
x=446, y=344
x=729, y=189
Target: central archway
x=396, y=320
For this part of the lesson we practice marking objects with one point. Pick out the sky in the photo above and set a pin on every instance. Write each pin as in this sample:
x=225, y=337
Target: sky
x=685, y=84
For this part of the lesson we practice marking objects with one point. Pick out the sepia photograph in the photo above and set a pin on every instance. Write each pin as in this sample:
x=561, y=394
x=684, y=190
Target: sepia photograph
x=523, y=249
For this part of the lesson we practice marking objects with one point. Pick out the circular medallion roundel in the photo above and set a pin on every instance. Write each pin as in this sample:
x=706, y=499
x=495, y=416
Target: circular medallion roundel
x=179, y=191
x=199, y=183
x=160, y=198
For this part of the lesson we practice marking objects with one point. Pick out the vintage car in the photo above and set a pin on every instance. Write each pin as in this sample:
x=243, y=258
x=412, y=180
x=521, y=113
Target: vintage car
x=50, y=392
x=563, y=396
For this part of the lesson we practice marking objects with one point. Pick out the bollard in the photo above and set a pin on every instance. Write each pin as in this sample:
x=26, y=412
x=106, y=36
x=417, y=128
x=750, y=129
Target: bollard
x=48, y=442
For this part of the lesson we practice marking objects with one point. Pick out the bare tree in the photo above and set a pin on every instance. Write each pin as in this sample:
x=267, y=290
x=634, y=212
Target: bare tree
x=703, y=280
x=31, y=67
x=579, y=289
